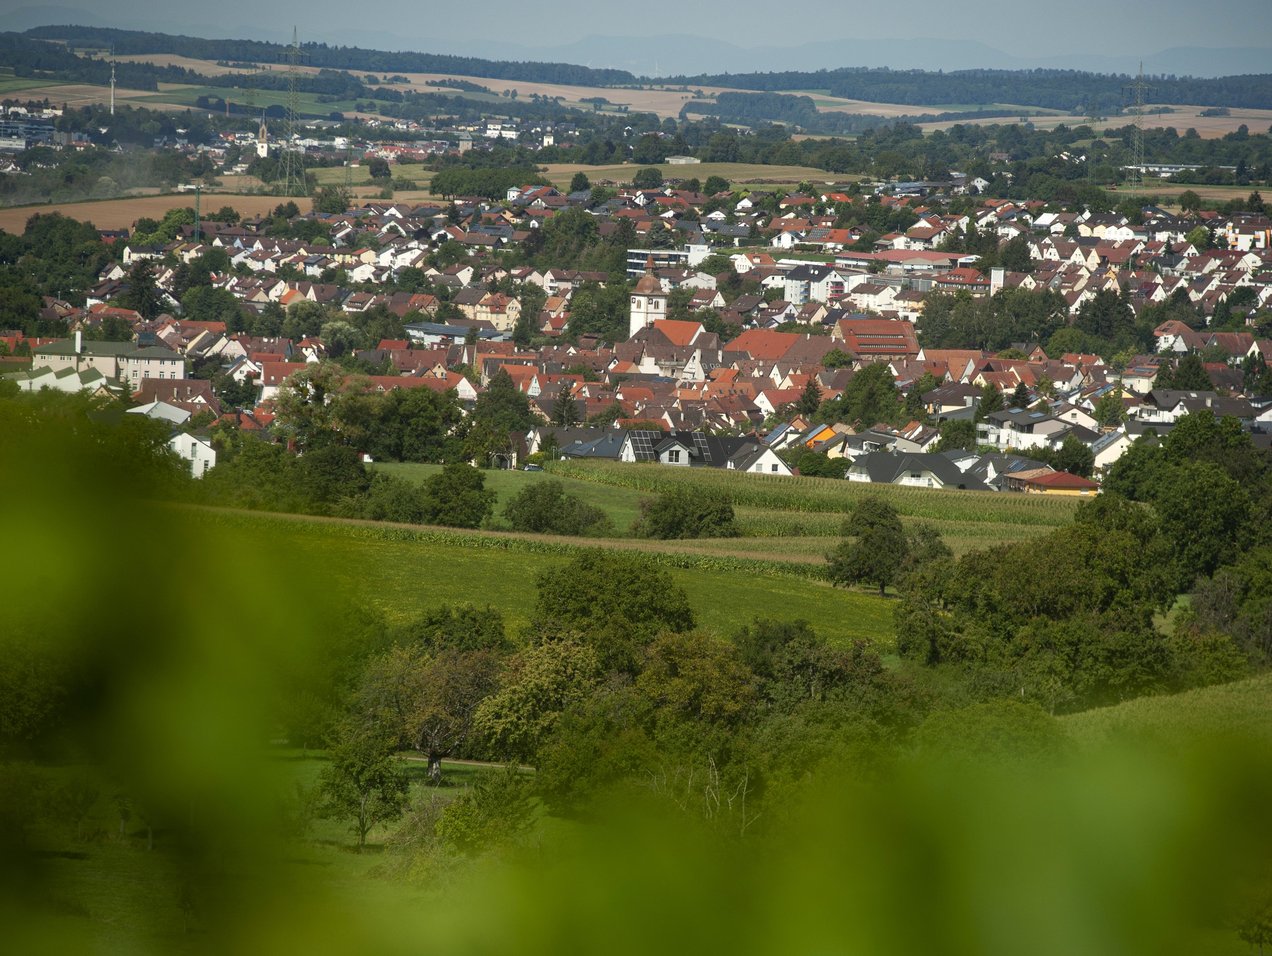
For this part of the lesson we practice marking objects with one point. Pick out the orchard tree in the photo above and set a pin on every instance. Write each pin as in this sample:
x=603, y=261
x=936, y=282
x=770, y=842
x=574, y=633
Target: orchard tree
x=363, y=784
x=874, y=549
x=538, y=685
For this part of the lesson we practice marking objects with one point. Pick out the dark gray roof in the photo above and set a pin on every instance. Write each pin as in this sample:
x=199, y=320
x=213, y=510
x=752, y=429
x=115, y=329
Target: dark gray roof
x=883, y=467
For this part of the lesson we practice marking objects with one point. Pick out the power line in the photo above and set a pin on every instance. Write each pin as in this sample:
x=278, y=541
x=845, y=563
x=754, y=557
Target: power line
x=1137, y=92
x=291, y=166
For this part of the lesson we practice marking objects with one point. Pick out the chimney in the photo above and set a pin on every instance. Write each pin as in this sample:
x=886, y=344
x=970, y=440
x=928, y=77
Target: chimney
x=79, y=342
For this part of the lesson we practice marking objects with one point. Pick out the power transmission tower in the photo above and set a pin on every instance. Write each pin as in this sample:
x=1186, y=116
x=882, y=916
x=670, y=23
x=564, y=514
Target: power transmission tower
x=250, y=80
x=291, y=166
x=1136, y=93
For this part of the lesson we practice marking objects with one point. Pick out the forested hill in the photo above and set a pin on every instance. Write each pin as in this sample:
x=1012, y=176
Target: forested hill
x=1050, y=89
x=1069, y=90
x=128, y=42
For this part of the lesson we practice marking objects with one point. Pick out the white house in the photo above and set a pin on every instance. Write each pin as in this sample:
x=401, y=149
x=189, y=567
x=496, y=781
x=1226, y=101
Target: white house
x=197, y=451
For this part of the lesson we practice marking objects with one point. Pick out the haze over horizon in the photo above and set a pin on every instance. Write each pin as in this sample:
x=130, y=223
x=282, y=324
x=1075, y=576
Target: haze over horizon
x=1169, y=36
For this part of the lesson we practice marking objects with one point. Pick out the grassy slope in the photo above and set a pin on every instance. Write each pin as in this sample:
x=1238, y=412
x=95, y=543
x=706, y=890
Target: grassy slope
x=788, y=519
x=1240, y=708
x=401, y=571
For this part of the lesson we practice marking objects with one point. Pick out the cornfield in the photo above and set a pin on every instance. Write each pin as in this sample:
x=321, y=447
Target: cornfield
x=827, y=496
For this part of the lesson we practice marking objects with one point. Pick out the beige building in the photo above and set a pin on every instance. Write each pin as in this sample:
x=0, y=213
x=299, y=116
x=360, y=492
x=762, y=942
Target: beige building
x=120, y=361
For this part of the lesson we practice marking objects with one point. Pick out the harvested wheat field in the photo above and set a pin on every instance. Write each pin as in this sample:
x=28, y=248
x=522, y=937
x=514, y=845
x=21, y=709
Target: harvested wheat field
x=122, y=213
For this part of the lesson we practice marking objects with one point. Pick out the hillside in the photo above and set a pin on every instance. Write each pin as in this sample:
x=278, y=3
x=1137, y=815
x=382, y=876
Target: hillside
x=1240, y=709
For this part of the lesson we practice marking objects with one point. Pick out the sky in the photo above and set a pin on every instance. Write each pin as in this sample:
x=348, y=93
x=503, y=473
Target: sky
x=1024, y=29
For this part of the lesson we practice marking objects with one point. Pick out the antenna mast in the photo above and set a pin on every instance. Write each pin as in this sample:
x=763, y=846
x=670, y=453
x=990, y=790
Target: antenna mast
x=112, y=89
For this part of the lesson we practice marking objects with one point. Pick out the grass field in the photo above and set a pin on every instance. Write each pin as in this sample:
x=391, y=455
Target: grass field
x=124, y=897
x=16, y=84
x=402, y=570
x=1228, y=710
x=797, y=519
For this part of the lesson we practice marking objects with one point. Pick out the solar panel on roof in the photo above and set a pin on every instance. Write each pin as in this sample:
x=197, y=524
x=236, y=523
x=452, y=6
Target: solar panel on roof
x=700, y=442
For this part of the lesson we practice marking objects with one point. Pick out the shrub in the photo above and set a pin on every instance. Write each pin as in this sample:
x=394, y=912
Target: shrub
x=687, y=513
x=545, y=508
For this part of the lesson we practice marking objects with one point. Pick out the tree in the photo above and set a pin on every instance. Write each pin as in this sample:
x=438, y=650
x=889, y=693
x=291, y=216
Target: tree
x=875, y=548
x=1020, y=397
x=1073, y=456
x=492, y=813
x=1014, y=255
x=378, y=168
x=544, y=508
x=991, y=400
x=329, y=473
x=810, y=399
x=685, y=512
x=143, y=291
x=1189, y=375
x=539, y=684
x=363, y=784
x=1109, y=410
x=836, y=358
x=614, y=603
x=426, y=701
x=458, y=497
x=1189, y=201
x=715, y=185
x=956, y=433
x=565, y=410
x=647, y=178
x=869, y=398
x=579, y=182
x=532, y=299
x=693, y=677
x=331, y=200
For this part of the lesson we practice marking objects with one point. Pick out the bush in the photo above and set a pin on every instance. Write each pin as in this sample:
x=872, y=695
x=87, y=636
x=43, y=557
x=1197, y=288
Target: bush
x=457, y=497
x=545, y=508
x=687, y=513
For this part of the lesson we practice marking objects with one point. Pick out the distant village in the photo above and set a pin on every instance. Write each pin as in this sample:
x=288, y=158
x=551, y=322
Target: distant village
x=775, y=307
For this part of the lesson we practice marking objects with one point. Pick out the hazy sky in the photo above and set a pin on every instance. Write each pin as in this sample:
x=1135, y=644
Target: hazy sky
x=1103, y=27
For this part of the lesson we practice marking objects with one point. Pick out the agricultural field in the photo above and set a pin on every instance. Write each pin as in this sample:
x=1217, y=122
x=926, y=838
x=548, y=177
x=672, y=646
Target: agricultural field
x=122, y=213
x=1180, y=117
x=804, y=503
x=785, y=519
x=401, y=569
x=739, y=174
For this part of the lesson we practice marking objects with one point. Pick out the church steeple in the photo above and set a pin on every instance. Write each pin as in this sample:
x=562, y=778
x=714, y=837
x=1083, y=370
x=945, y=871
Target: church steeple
x=262, y=139
x=649, y=301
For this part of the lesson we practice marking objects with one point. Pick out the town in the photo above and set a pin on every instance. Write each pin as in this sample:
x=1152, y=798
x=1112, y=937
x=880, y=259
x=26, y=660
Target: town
x=534, y=507
x=715, y=324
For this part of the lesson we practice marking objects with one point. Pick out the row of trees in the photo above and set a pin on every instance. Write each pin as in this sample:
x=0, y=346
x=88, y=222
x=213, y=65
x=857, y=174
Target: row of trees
x=1069, y=619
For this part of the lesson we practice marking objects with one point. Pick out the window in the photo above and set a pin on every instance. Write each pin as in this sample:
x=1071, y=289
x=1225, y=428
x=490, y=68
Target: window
x=773, y=467
x=673, y=456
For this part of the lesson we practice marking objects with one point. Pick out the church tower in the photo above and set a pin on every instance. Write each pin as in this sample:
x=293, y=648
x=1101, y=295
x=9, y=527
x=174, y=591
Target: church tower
x=262, y=140
x=649, y=301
